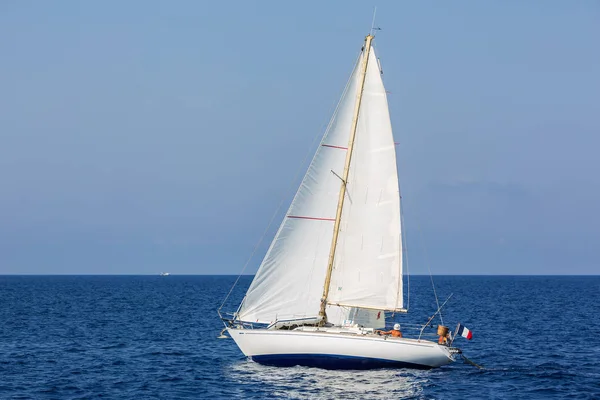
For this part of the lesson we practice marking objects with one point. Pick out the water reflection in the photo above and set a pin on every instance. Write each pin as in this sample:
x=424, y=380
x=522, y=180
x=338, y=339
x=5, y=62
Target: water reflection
x=315, y=383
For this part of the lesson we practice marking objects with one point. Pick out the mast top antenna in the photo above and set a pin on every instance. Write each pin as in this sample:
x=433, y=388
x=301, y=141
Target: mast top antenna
x=373, y=27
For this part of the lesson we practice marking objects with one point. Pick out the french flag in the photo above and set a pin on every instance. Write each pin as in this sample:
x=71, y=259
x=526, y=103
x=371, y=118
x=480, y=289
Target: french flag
x=464, y=332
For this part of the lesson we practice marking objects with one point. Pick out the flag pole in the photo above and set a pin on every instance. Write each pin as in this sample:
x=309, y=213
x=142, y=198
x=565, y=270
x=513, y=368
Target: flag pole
x=455, y=333
x=431, y=318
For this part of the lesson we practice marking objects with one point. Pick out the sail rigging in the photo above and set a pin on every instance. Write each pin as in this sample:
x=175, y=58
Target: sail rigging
x=366, y=269
x=343, y=188
x=368, y=262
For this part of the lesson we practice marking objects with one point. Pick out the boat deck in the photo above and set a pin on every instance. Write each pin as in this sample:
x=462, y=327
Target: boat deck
x=359, y=331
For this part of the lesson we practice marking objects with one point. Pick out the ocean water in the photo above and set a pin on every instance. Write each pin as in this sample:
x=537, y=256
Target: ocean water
x=144, y=337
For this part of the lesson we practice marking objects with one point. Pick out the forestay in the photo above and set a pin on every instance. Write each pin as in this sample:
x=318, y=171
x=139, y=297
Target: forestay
x=289, y=281
x=368, y=260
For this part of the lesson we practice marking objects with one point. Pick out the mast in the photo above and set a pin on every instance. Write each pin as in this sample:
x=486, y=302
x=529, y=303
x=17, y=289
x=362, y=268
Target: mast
x=342, y=196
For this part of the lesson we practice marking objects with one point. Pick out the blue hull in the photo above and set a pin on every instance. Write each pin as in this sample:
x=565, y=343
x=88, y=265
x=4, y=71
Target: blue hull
x=331, y=361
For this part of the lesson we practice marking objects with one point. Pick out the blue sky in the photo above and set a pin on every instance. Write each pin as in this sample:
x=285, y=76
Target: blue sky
x=144, y=136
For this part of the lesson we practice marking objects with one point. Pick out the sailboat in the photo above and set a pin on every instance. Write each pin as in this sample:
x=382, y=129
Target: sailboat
x=334, y=267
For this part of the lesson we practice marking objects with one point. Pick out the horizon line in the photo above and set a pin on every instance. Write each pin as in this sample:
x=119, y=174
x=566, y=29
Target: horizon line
x=235, y=275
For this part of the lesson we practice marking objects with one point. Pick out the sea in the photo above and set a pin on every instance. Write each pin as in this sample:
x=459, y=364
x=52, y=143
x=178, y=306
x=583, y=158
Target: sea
x=156, y=337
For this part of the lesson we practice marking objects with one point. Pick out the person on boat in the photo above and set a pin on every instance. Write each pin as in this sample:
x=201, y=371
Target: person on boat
x=445, y=339
x=394, y=332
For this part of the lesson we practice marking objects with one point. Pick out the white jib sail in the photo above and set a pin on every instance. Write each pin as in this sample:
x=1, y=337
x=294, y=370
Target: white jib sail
x=289, y=281
x=367, y=269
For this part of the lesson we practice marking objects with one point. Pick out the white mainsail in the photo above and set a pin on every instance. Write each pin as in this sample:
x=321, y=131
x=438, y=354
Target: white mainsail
x=367, y=271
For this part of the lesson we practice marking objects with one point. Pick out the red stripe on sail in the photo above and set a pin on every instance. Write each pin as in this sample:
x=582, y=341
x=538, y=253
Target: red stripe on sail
x=313, y=218
x=334, y=147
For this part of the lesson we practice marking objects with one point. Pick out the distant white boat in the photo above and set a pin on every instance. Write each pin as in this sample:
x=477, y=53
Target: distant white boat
x=334, y=267
x=164, y=274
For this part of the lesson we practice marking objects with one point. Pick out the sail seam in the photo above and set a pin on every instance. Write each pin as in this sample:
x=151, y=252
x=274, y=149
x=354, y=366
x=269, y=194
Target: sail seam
x=335, y=147
x=312, y=218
